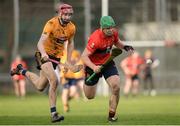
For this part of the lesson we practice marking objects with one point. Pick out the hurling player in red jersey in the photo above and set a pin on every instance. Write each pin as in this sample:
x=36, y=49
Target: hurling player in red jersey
x=19, y=81
x=97, y=51
x=132, y=66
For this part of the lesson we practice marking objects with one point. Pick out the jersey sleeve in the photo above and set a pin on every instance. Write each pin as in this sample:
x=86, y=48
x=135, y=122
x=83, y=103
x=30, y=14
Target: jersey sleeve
x=48, y=28
x=92, y=45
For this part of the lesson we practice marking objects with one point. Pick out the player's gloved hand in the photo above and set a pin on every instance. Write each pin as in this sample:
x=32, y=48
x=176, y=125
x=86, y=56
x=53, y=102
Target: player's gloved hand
x=128, y=48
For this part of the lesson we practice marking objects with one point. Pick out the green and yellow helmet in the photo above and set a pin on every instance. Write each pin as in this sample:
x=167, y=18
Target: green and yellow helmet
x=107, y=22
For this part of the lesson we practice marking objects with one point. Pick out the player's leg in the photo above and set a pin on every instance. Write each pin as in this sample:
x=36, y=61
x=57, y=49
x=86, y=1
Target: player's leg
x=46, y=73
x=16, y=87
x=90, y=87
x=135, y=85
x=74, y=92
x=146, y=83
x=151, y=82
x=49, y=73
x=65, y=96
x=114, y=84
x=39, y=82
x=89, y=91
x=112, y=78
x=80, y=84
x=127, y=86
x=152, y=88
x=22, y=87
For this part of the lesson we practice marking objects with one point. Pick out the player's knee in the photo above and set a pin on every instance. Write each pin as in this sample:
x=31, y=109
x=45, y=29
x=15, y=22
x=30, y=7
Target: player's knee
x=53, y=81
x=40, y=88
x=116, y=89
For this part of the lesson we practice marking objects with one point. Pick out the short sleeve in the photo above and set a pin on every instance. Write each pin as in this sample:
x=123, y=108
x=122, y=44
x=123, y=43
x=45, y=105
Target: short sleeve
x=48, y=28
x=91, y=46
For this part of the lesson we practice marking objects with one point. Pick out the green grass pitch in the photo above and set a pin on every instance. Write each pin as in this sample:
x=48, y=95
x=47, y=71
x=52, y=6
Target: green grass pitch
x=142, y=110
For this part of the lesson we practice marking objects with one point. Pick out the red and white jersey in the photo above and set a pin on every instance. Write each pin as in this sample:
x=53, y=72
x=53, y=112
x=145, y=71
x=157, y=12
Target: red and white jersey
x=100, y=46
x=133, y=64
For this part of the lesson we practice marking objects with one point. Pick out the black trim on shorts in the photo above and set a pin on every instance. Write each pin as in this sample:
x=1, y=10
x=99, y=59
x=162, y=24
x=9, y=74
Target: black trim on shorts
x=51, y=57
x=54, y=58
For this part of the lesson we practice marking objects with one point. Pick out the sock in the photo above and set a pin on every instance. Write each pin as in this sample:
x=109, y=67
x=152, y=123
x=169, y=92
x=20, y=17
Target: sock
x=53, y=110
x=23, y=72
x=111, y=114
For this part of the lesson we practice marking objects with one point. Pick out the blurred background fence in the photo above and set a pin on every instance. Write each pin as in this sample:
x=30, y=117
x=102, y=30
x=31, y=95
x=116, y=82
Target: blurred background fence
x=137, y=20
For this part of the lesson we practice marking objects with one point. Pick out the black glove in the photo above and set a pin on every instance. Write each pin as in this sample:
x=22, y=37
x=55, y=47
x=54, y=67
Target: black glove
x=128, y=48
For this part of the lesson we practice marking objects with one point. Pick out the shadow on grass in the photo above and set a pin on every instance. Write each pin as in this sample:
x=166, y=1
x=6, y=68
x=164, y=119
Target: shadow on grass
x=133, y=119
x=44, y=120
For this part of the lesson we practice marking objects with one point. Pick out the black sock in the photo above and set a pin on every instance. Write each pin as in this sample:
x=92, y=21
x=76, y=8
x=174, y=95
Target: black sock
x=24, y=72
x=53, y=110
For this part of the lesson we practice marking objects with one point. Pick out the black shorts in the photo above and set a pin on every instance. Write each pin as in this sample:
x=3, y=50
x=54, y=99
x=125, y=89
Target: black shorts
x=54, y=64
x=135, y=77
x=54, y=58
x=107, y=71
x=70, y=82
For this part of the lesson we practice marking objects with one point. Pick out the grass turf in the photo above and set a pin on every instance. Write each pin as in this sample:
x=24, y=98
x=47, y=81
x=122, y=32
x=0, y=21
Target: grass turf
x=142, y=110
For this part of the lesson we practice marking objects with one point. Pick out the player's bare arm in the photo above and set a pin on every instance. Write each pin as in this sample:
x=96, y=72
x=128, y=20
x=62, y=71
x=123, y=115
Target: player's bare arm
x=127, y=48
x=87, y=61
x=40, y=45
x=119, y=44
x=70, y=48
